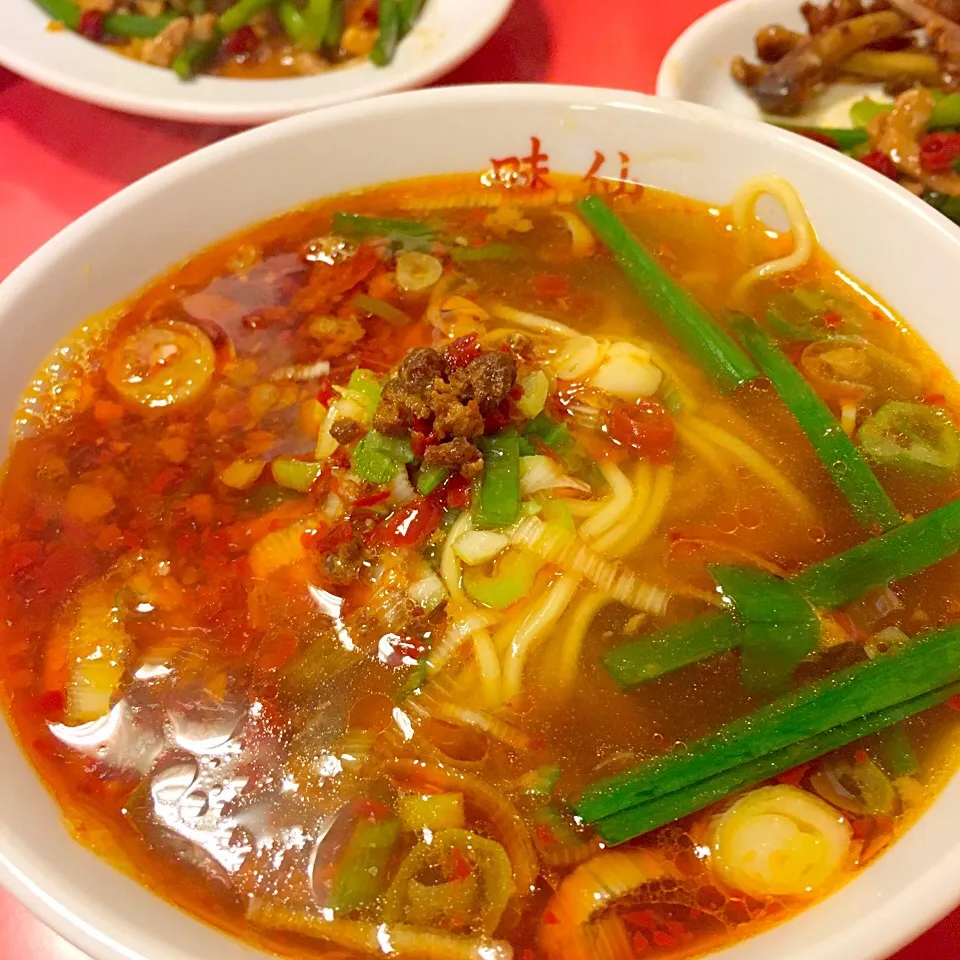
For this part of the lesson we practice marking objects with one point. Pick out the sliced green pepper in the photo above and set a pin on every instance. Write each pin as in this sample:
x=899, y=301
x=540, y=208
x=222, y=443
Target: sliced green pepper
x=377, y=458
x=496, y=500
x=402, y=234
x=362, y=869
x=914, y=438
x=429, y=478
x=510, y=583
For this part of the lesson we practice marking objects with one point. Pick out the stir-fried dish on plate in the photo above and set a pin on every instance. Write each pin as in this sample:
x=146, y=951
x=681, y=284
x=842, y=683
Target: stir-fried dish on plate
x=246, y=39
x=910, y=130
x=455, y=571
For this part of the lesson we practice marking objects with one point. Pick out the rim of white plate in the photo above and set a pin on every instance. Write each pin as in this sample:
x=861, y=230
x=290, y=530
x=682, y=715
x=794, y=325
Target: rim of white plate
x=448, y=33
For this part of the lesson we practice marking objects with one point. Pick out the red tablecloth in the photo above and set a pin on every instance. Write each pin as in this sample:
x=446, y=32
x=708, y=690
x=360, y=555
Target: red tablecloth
x=59, y=157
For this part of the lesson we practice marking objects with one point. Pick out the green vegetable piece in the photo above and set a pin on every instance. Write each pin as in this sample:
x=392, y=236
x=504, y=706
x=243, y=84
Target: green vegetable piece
x=299, y=475
x=540, y=782
x=429, y=478
x=194, y=56
x=695, y=329
x=479, y=898
x=947, y=205
x=66, y=12
x=241, y=13
x=400, y=234
x=131, y=25
x=902, y=552
x=930, y=662
x=365, y=383
x=362, y=871
x=298, y=27
x=896, y=750
x=677, y=646
x=647, y=816
x=780, y=628
x=511, y=582
x=555, y=435
x=913, y=438
x=490, y=251
x=865, y=110
x=946, y=111
x=496, y=500
x=385, y=48
x=840, y=138
x=334, y=32
x=843, y=462
x=382, y=309
x=410, y=11
x=377, y=458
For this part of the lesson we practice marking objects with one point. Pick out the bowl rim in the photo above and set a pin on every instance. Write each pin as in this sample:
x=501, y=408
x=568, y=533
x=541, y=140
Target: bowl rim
x=228, y=101
x=911, y=909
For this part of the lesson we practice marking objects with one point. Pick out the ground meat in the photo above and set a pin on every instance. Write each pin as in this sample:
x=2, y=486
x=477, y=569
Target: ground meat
x=420, y=368
x=345, y=430
x=452, y=417
x=343, y=563
x=400, y=407
x=457, y=454
x=492, y=376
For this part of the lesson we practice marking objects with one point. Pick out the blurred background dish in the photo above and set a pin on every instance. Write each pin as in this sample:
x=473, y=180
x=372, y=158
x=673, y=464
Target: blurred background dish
x=446, y=33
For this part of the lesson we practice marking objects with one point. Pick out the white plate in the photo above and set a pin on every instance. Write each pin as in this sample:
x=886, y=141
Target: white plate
x=697, y=66
x=447, y=34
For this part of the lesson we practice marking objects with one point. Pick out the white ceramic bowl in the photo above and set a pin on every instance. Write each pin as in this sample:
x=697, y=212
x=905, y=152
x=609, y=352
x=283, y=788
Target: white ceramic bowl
x=697, y=66
x=447, y=34
x=878, y=231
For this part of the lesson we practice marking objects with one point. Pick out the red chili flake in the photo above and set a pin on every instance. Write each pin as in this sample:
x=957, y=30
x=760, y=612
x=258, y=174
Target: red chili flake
x=326, y=393
x=462, y=868
x=132, y=540
x=241, y=42
x=19, y=557
x=832, y=320
x=527, y=954
x=641, y=918
x=367, y=809
x=161, y=481
x=676, y=929
x=496, y=421
x=418, y=443
x=550, y=918
x=551, y=286
x=935, y=399
x=817, y=137
x=861, y=756
x=340, y=534
x=640, y=943
x=939, y=152
x=49, y=702
x=372, y=498
x=663, y=939
x=91, y=25
x=861, y=828
x=879, y=161
x=517, y=392
x=954, y=702
x=793, y=777
x=545, y=836
x=463, y=350
x=277, y=652
x=453, y=492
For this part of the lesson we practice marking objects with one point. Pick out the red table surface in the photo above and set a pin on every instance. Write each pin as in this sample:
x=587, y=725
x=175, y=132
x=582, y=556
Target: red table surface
x=59, y=157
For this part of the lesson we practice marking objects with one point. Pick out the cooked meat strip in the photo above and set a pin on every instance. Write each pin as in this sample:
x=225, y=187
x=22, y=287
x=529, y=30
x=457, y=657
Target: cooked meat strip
x=345, y=430
x=492, y=376
x=898, y=135
x=787, y=86
x=162, y=50
x=774, y=42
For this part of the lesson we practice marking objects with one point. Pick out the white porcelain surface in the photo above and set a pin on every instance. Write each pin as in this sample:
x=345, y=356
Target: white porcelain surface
x=697, y=66
x=447, y=34
x=880, y=233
